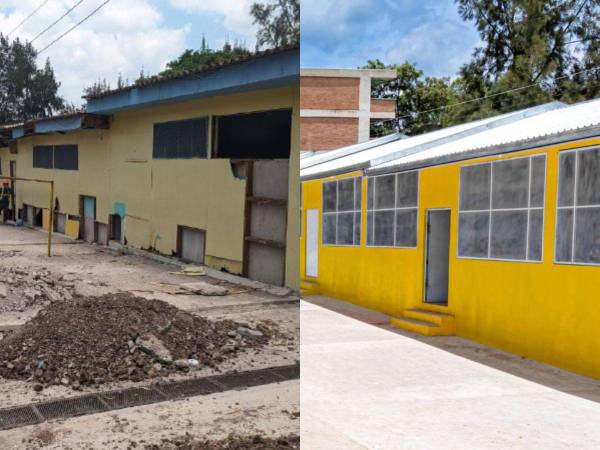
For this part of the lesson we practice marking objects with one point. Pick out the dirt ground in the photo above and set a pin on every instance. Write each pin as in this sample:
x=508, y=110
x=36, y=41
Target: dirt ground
x=91, y=270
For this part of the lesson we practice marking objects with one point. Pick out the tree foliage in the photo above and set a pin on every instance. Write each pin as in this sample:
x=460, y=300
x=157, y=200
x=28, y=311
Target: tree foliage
x=533, y=51
x=278, y=21
x=26, y=91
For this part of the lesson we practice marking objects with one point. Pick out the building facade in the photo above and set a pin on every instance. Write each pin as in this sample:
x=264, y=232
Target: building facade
x=336, y=108
x=202, y=166
x=489, y=230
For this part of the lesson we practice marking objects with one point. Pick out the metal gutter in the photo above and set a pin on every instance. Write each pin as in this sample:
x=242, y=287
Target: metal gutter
x=524, y=145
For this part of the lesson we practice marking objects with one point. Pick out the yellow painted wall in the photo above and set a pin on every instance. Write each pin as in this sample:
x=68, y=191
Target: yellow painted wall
x=116, y=165
x=545, y=311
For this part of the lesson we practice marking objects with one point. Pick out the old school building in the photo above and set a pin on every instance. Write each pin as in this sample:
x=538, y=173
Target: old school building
x=203, y=166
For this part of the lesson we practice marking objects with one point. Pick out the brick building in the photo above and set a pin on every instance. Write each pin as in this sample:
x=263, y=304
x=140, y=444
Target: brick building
x=336, y=108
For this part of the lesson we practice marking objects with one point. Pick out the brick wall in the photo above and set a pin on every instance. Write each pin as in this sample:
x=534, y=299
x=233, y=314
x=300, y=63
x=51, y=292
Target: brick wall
x=327, y=133
x=383, y=105
x=329, y=93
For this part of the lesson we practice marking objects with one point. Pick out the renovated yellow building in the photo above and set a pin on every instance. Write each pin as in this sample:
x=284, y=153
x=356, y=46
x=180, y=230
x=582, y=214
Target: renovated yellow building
x=203, y=166
x=488, y=230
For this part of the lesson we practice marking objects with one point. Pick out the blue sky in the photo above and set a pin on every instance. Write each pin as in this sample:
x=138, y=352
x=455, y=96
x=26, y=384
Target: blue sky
x=347, y=33
x=125, y=35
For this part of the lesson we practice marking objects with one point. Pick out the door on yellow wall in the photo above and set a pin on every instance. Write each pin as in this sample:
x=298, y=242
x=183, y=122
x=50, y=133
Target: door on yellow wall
x=88, y=213
x=312, y=242
x=437, y=256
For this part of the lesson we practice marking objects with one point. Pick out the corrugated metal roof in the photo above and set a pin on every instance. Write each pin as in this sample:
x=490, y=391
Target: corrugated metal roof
x=554, y=122
x=413, y=145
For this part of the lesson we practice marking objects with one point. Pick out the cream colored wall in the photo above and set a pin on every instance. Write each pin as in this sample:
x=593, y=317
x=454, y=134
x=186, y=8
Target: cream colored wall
x=161, y=194
x=90, y=179
x=4, y=161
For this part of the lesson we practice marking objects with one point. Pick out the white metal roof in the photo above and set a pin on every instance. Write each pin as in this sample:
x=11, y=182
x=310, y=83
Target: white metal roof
x=381, y=154
x=554, y=122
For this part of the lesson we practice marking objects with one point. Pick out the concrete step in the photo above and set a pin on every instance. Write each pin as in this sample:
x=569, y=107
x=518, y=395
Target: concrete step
x=438, y=318
x=417, y=326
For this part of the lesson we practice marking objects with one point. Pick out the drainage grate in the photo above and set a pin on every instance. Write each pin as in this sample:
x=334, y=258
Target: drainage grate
x=70, y=407
x=94, y=403
x=133, y=397
x=190, y=388
x=242, y=380
x=18, y=417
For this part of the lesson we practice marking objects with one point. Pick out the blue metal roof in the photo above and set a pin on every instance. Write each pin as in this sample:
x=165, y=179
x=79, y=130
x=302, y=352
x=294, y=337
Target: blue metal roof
x=274, y=70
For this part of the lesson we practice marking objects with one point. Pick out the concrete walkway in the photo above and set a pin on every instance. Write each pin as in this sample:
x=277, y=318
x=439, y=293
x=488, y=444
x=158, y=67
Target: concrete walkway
x=365, y=386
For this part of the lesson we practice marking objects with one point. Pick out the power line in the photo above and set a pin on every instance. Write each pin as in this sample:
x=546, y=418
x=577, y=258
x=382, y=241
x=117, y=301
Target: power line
x=27, y=18
x=73, y=27
x=56, y=21
x=520, y=88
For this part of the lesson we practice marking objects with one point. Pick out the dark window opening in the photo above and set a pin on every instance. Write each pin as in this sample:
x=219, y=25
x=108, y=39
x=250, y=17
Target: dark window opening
x=43, y=157
x=262, y=135
x=66, y=157
x=182, y=139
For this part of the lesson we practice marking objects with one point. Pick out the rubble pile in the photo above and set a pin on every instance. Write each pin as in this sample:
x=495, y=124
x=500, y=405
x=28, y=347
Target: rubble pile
x=22, y=288
x=230, y=443
x=94, y=340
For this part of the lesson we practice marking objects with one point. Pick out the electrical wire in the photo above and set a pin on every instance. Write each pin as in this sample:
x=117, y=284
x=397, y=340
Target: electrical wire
x=27, y=18
x=56, y=21
x=73, y=27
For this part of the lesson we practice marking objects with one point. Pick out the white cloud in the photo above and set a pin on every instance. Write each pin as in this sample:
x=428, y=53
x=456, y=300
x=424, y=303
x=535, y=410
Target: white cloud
x=235, y=13
x=121, y=37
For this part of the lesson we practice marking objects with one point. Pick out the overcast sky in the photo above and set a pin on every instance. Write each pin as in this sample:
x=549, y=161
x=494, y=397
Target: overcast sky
x=124, y=35
x=347, y=33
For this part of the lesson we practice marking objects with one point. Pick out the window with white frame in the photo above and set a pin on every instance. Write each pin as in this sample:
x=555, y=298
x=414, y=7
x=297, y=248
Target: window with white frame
x=392, y=210
x=577, y=239
x=501, y=209
x=342, y=212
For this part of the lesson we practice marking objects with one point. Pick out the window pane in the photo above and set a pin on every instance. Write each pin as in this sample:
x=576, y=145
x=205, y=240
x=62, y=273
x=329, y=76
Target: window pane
x=408, y=186
x=587, y=235
x=538, y=176
x=406, y=228
x=328, y=228
x=357, y=228
x=475, y=187
x=345, y=229
x=329, y=196
x=509, y=234
x=564, y=235
x=43, y=156
x=370, y=192
x=66, y=157
x=370, y=228
x=385, y=192
x=510, y=184
x=357, y=193
x=473, y=234
x=536, y=229
x=566, y=179
x=588, y=177
x=384, y=228
x=345, y=195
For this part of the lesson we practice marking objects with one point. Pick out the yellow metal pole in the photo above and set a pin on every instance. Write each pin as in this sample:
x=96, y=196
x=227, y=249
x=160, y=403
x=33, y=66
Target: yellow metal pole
x=51, y=224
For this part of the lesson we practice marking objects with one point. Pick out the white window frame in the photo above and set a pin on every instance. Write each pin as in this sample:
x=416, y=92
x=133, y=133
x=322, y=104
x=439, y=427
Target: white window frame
x=529, y=208
x=337, y=212
x=573, y=208
x=404, y=208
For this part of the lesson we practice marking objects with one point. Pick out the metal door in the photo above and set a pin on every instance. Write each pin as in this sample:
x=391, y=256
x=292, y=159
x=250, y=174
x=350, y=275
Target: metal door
x=312, y=242
x=437, y=256
x=89, y=218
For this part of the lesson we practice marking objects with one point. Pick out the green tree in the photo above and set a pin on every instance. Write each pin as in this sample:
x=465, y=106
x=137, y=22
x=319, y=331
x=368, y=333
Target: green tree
x=278, y=21
x=529, y=43
x=418, y=99
x=26, y=91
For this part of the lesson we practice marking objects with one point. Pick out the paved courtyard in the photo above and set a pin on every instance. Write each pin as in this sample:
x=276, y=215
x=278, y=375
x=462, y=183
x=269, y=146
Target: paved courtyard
x=365, y=385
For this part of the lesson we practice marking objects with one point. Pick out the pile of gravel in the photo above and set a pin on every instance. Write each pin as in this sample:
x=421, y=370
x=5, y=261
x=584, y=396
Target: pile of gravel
x=115, y=337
